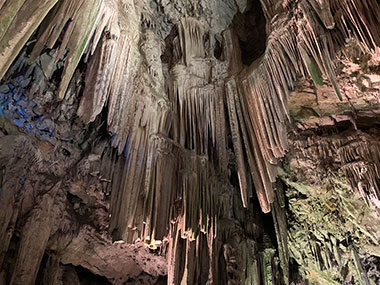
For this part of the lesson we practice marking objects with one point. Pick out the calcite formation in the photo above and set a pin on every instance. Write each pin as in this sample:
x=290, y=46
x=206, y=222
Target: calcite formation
x=189, y=142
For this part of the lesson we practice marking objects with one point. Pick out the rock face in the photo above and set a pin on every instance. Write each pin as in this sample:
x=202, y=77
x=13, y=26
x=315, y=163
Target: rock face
x=189, y=142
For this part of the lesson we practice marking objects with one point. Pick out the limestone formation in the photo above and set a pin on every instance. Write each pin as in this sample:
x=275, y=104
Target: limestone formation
x=189, y=142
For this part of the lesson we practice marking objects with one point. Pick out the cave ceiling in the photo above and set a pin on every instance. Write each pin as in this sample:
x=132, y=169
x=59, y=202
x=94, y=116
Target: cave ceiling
x=190, y=142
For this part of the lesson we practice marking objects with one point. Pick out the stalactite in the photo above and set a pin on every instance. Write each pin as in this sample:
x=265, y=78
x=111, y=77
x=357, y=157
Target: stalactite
x=81, y=19
x=280, y=224
x=266, y=85
x=358, y=156
x=338, y=196
x=237, y=140
x=79, y=28
x=269, y=80
x=171, y=166
x=101, y=68
x=191, y=40
x=15, y=32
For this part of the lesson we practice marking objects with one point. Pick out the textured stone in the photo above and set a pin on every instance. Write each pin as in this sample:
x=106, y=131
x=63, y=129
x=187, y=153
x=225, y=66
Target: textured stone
x=4, y=89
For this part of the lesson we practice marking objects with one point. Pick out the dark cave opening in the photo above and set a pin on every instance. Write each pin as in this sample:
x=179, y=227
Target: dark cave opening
x=70, y=273
x=167, y=55
x=295, y=275
x=218, y=49
x=86, y=277
x=250, y=28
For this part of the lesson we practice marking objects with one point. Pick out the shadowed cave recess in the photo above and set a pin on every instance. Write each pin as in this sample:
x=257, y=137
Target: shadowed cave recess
x=189, y=142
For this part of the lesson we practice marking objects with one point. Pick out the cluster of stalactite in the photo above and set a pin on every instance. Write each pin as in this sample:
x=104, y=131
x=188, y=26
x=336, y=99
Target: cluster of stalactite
x=182, y=171
x=304, y=43
x=171, y=127
x=331, y=181
x=36, y=216
x=361, y=163
x=357, y=155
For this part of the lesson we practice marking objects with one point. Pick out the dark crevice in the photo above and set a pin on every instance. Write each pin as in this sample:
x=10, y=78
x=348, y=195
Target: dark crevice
x=250, y=28
x=86, y=277
x=167, y=56
x=218, y=49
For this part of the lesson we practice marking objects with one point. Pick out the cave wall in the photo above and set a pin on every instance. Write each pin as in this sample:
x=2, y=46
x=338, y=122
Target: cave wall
x=331, y=175
x=203, y=141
